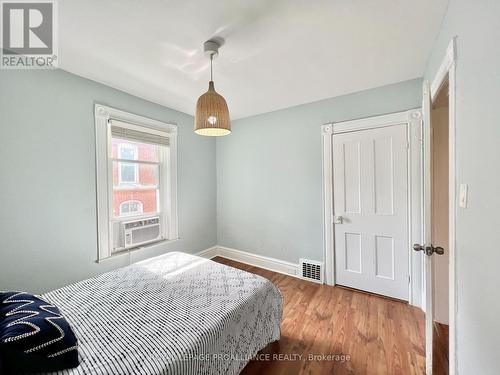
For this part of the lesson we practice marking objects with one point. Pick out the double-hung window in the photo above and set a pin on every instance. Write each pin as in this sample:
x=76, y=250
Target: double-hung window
x=136, y=181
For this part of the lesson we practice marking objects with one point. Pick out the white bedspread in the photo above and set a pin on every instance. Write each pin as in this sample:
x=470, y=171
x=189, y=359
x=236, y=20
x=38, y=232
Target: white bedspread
x=173, y=314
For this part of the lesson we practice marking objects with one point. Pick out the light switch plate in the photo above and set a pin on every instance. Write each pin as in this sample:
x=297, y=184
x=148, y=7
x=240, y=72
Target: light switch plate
x=462, y=196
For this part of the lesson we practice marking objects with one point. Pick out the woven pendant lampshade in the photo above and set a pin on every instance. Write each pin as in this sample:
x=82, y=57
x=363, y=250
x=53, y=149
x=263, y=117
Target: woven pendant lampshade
x=212, y=115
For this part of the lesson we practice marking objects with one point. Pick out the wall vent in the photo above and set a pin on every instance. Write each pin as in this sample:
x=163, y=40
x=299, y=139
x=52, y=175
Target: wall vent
x=311, y=270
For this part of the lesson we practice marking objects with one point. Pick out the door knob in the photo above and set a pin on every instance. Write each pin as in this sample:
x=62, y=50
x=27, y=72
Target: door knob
x=338, y=220
x=438, y=250
x=418, y=247
x=428, y=249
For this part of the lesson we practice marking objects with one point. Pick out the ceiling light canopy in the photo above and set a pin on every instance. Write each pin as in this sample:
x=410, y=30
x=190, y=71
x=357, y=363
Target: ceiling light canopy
x=212, y=115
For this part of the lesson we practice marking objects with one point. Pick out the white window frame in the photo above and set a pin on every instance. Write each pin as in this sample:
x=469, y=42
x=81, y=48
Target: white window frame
x=104, y=176
x=139, y=204
x=121, y=163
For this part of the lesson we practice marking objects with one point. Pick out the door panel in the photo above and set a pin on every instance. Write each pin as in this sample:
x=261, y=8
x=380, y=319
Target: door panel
x=384, y=257
x=353, y=252
x=383, y=176
x=370, y=195
x=352, y=180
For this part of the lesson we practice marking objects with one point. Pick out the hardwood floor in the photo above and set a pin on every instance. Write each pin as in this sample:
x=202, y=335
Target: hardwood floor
x=440, y=359
x=370, y=334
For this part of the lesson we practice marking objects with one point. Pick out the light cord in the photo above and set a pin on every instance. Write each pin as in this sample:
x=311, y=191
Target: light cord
x=211, y=70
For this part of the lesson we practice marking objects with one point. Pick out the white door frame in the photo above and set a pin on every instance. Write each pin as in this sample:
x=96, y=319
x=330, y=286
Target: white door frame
x=413, y=121
x=447, y=70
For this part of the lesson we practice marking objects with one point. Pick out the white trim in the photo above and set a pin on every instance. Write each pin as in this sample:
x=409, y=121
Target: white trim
x=271, y=264
x=452, y=299
x=209, y=253
x=327, y=147
x=133, y=119
x=374, y=122
x=448, y=69
x=171, y=196
x=413, y=119
x=261, y=261
x=104, y=183
x=446, y=64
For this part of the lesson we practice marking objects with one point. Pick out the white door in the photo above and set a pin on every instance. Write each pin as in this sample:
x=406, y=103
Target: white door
x=371, y=210
x=427, y=246
x=427, y=205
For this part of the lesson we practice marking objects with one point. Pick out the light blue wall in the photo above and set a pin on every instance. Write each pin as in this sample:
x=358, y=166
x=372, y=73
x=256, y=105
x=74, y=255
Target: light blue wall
x=269, y=176
x=47, y=179
x=477, y=27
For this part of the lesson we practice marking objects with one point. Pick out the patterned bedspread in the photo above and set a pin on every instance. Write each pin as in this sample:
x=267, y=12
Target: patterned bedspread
x=173, y=314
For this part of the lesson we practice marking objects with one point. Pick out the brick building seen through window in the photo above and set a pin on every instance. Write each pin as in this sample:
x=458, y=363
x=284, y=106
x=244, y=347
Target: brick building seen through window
x=135, y=178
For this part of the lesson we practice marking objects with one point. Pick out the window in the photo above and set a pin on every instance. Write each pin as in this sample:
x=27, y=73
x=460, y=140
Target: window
x=130, y=208
x=136, y=181
x=127, y=171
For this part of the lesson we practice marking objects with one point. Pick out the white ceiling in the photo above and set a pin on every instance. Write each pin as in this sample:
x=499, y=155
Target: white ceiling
x=278, y=53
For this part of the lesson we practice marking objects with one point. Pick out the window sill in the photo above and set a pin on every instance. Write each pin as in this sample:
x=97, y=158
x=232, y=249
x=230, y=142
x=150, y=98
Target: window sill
x=124, y=218
x=123, y=252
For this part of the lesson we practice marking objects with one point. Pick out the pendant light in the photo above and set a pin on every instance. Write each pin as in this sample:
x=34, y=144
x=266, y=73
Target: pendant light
x=212, y=115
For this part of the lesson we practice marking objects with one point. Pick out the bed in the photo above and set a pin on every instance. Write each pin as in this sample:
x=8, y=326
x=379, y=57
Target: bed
x=172, y=314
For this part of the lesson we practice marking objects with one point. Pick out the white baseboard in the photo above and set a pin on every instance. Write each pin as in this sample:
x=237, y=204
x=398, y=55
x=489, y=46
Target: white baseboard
x=271, y=264
x=209, y=253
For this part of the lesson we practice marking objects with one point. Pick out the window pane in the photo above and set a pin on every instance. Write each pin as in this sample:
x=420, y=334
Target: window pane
x=135, y=202
x=130, y=150
x=128, y=173
x=128, y=153
x=131, y=208
x=135, y=175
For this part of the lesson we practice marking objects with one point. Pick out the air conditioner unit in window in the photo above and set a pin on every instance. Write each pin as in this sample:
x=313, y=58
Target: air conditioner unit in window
x=139, y=232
